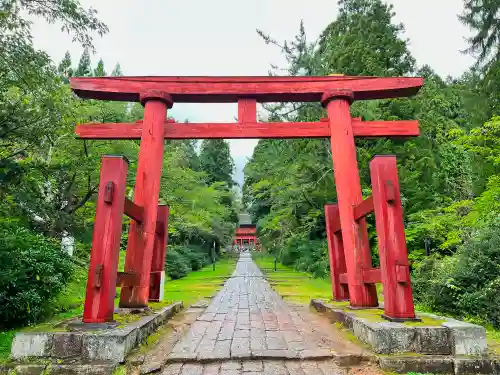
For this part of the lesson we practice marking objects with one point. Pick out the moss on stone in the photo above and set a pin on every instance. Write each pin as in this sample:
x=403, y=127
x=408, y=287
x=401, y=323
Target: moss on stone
x=375, y=316
x=121, y=370
x=157, y=306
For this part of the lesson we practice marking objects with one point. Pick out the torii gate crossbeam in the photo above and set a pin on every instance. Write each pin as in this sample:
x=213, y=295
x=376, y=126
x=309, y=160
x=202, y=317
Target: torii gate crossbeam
x=336, y=93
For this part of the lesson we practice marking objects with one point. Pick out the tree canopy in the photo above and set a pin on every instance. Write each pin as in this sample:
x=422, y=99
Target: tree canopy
x=49, y=179
x=449, y=174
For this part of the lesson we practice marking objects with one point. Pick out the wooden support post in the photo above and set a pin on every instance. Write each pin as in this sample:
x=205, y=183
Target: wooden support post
x=335, y=252
x=159, y=256
x=354, y=233
x=247, y=110
x=142, y=235
x=101, y=282
x=394, y=266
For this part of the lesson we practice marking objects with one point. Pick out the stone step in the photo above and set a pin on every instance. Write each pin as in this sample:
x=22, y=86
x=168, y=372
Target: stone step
x=254, y=367
x=343, y=360
x=403, y=364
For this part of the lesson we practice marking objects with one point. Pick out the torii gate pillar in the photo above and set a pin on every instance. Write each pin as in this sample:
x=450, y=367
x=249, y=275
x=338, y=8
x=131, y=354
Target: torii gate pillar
x=354, y=233
x=147, y=190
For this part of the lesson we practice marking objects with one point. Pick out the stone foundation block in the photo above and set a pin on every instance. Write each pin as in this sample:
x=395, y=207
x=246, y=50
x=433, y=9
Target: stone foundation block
x=109, y=346
x=67, y=344
x=83, y=369
x=466, y=338
x=421, y=365
x=27, y=345
x=28, y=369
x=104, y=345
x=452, y=337
x=473, y=366
x=432, y=340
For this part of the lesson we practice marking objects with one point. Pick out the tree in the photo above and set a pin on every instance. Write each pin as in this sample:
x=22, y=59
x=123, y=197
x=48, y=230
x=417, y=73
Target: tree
x=364, y=41
x=288, y=182
x=483, y=17
x=99, y=70
x=216, y=161
x=84, y=68
x=64, y=68
x=117, y=71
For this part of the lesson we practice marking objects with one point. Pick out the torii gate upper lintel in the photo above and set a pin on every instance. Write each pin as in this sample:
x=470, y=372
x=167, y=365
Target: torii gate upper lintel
x=348, y=239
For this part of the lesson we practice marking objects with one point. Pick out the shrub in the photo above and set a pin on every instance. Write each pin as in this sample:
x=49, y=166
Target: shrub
x=193, y=255
x=33, y=269
x=307, y=255
x=177, y=266
x=466, y=283
x=197, y=261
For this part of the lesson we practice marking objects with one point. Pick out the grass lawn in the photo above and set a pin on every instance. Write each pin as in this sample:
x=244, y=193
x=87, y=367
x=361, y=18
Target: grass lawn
x=200, y=284
x=292, y=285
x=69, y=303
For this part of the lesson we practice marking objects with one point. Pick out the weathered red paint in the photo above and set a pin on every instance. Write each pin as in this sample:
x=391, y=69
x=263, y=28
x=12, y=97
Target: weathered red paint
x=101, y=283
x=350, y=259
x=247, y=110
x=241, y=130
x=394, y=266
x=240, y=238
x=335, y=252
x=246, y=231
x=149, y=168
x=354, y=233
x=230, y=89
x=133, y=211
x=364, y=208
x=159, y=256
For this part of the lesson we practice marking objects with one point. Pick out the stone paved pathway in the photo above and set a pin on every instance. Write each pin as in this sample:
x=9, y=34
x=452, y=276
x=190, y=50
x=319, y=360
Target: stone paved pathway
x=267, y=367
x=247, y=320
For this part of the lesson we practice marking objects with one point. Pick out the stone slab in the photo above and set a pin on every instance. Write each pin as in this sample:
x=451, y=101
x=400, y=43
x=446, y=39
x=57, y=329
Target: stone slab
x=26, y=345
x=82, y=369
x=452, y=337
x=466, y=339
x=72, y=368
x=421, y=365
x=469, y=366
x=247, y=319
x=440, y=365
x=106, y=345
x=28, y=369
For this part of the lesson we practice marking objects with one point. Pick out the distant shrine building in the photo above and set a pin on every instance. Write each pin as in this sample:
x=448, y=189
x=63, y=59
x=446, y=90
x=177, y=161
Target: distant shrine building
x=246, y=234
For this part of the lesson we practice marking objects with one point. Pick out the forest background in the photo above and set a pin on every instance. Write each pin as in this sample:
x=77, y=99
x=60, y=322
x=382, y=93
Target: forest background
x=450, y=175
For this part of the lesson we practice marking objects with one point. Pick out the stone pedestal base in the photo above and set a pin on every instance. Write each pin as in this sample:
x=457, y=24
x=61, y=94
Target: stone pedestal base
x=449, y=337
x=106, y=344
x=448, y=347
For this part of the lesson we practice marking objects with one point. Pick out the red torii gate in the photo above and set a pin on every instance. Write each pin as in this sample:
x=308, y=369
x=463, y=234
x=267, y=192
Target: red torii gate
x=347, y=233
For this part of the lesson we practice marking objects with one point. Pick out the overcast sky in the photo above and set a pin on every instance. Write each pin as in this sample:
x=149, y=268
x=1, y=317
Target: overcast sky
x=218, y=37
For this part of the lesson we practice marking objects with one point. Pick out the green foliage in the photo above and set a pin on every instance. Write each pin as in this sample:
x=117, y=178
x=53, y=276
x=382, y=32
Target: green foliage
x=482, y=17
x=99, y=70
x=449, y=176
x=306, y=255
x=465, y=284
x=364, y=41
x=117, y=71
x=49, y=179
x=177, y=266
x=288, y=182
x=195, y=257
x=84, y=65
x=216, y=161
x=32, y=271
x=64, y=68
